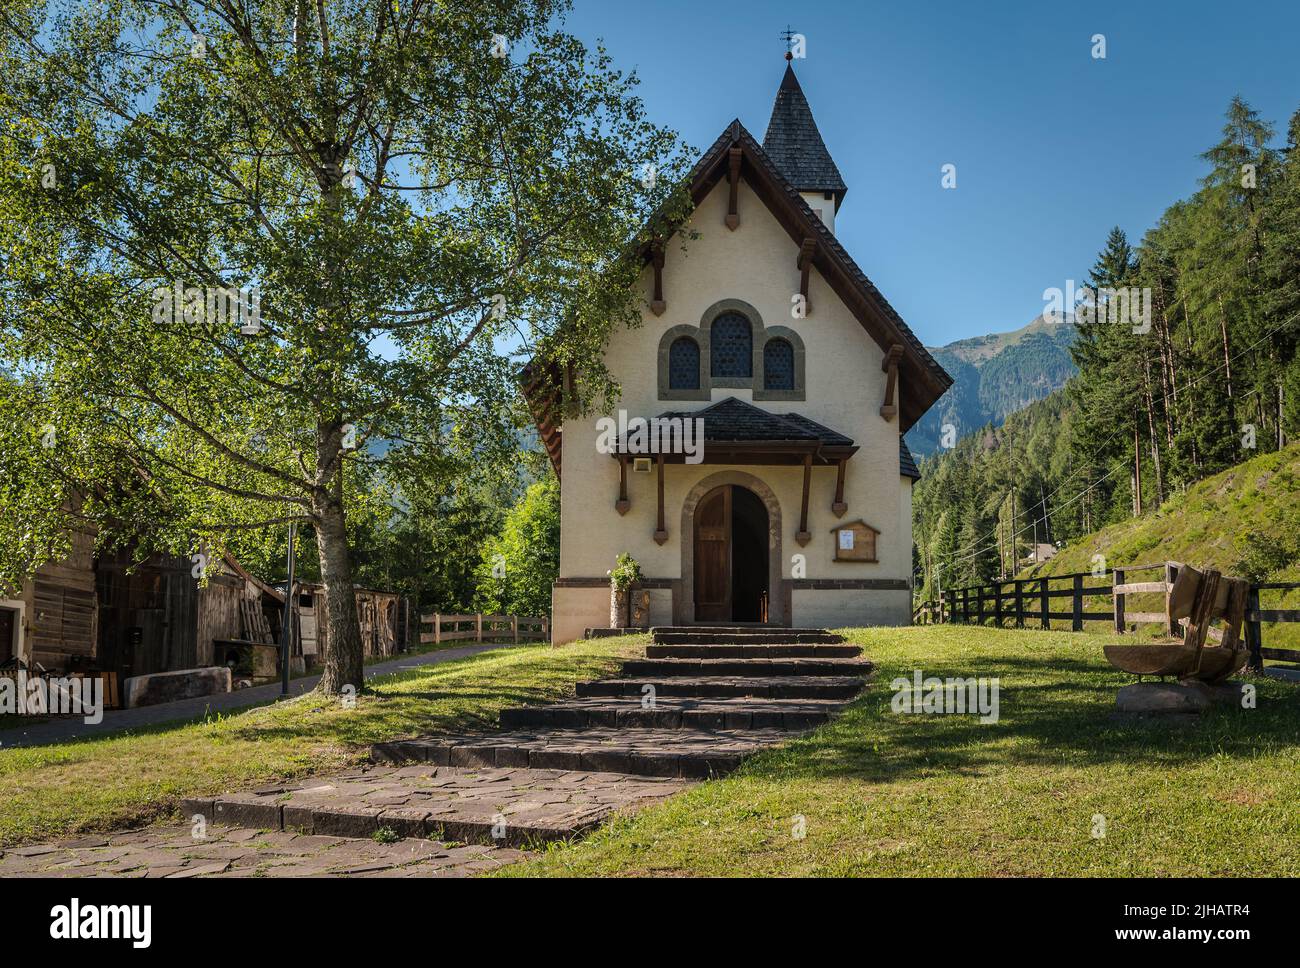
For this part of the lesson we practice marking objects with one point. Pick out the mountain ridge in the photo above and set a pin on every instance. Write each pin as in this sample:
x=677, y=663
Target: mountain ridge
x=995, y=375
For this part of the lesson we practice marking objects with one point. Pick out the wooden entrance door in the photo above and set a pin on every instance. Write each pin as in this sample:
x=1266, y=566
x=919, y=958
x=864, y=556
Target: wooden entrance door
x=713, y=556
x=8, y=623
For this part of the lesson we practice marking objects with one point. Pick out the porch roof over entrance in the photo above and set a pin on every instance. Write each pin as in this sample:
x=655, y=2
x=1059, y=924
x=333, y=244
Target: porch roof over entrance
x=736, y=432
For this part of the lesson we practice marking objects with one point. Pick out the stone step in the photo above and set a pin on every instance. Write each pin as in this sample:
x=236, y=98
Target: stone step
x=637, y=668
x=684, y=753
x=750, y=651
x=629, y=712
x=735, y=630
x=746, y=638
x=721, y=687
x=502, y=807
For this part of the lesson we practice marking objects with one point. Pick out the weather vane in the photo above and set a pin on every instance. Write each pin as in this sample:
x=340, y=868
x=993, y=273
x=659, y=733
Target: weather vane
x=788, y=36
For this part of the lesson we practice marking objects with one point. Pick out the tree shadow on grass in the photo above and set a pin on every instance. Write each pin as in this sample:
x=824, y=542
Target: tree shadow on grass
x=1052, y=713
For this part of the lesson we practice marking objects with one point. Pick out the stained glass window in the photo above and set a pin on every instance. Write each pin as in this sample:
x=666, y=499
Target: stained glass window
x=684, y=364
x=778, y=365
x=731, y=347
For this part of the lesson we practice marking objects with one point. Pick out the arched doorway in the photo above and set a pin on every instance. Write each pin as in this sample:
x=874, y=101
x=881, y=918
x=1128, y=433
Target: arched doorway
x=731, y=556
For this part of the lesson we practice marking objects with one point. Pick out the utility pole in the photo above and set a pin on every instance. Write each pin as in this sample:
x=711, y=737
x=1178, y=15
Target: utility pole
x=1002, y=551
x=1015, y=561
x=1047, y=520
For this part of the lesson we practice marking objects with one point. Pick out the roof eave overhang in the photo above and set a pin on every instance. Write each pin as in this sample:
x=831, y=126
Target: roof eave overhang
x=924, y=380
x=758, y=452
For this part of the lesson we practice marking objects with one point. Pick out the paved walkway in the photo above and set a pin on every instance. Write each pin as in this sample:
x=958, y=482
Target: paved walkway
x=192, y=710
x=175, y=852
x=562, y=769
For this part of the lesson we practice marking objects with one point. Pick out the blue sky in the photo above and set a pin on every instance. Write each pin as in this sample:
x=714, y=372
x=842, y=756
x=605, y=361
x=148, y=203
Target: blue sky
x=1052, y=147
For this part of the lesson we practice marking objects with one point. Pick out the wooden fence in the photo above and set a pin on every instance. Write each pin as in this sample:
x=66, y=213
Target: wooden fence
x=1035, y=600
x=485, y=628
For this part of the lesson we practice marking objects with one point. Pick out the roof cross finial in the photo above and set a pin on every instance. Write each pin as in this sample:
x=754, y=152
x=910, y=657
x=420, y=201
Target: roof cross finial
x=789, y=35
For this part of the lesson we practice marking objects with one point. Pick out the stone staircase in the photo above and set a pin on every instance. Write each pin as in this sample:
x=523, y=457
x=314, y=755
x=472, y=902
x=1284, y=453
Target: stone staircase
x=699, y=702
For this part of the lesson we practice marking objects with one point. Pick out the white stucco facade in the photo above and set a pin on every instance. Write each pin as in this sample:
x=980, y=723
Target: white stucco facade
x=844, y=387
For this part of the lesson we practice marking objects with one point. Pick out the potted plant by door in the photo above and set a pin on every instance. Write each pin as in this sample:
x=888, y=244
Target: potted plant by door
x=625, y=573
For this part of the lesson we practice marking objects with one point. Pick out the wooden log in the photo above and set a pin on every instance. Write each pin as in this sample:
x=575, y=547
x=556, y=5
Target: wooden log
x=1140, y=587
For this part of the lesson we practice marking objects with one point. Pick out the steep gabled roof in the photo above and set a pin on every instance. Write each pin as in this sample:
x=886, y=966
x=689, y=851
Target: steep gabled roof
x=922, y=380
x=795, y=145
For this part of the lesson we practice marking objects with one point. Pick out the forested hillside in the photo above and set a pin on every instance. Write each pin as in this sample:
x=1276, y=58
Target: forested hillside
x=1204, y=375
x=994, y=376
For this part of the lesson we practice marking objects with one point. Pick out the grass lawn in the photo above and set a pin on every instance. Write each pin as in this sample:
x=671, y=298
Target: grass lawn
x=914, y=795
x=99, y=784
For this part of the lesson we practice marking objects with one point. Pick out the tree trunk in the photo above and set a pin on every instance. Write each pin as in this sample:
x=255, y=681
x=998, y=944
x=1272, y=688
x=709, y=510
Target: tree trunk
x=1227, y=356
x=343, y=653
x=1151, y=429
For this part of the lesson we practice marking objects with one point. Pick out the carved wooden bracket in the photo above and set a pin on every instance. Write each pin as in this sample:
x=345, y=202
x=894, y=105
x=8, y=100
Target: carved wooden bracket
x=657, y=305
x=889, y=409
x=622, y=504
x=804, y=264
x=802, y=535
x=839, y=507
x=733, y=179
x=661, y=532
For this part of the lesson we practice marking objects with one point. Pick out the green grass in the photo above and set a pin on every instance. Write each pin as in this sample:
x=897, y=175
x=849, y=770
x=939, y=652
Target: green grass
x=912, y=795
x=130, y=779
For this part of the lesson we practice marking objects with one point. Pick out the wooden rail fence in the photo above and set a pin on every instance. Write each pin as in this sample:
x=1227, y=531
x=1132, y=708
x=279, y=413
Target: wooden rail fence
x=485, y=628
x=1019, y=600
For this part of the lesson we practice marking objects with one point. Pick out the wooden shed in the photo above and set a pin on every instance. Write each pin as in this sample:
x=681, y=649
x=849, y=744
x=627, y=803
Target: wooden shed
x=384, y=616
x=154, y=616
x=51, y=621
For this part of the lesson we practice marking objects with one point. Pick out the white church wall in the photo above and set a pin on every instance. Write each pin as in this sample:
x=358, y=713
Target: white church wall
x=845, y=388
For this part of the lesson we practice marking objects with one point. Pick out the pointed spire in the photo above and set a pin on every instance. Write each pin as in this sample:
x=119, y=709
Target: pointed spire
x=795, y=145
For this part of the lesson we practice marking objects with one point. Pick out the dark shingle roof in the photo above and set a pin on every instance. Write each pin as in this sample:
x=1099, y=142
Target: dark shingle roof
x=795, y=145
x=733, y=420
x=907, y=466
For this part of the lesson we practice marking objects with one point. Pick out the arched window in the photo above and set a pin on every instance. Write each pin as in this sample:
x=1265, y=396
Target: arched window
x=731, y=347
x=684, y=364
x=778, y=365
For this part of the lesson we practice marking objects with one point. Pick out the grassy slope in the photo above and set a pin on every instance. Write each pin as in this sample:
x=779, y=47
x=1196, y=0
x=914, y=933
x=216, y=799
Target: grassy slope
x=97, y=784
x=904, y=795
x=1206, y=526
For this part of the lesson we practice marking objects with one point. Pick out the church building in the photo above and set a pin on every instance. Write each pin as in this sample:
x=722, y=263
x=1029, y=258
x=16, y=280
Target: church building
x=795, y=509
